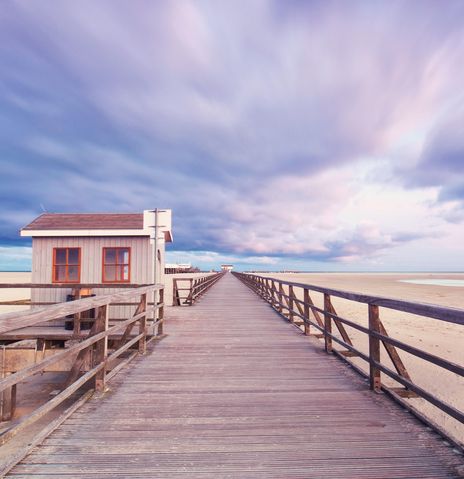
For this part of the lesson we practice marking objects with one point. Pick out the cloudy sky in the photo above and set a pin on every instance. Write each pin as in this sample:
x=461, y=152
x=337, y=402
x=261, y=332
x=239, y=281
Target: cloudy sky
x=314, y=135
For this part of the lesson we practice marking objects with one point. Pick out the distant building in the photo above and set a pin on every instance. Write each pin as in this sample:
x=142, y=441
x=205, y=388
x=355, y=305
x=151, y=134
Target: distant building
x=172, y=268
x=105, y=248
x=227, y=267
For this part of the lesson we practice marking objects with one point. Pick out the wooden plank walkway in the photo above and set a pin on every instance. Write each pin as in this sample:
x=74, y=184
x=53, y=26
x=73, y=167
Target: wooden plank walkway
x=234, y=391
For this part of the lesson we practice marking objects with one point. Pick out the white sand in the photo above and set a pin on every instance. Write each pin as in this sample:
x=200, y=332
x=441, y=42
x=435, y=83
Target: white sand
x=437, y=337
x=11, y=294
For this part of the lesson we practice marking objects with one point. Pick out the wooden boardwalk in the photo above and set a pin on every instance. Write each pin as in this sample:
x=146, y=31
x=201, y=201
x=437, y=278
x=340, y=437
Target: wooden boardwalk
x=234, y=391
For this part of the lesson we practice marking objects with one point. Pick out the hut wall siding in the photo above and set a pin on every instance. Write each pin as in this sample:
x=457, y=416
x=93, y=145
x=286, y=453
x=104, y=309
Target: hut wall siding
x=91, y=265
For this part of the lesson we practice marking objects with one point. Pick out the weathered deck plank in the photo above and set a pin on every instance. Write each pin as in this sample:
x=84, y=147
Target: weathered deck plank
x=236, y=392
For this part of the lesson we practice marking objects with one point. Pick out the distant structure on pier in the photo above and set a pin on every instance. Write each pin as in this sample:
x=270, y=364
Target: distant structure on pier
x=108, y=249
x=173, y=268
x=227, y=267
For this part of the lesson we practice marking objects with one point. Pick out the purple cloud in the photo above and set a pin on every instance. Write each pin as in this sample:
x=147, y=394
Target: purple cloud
x=252, y=127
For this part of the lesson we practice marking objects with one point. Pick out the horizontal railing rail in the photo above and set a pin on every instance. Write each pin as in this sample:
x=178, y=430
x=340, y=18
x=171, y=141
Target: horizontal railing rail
x=293, y=301
x=90, y=357
x=59, y=286
x=186, y=291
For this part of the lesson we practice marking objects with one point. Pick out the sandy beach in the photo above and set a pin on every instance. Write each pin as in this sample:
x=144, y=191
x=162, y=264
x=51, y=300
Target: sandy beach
x=437, y=337
x=11, y=294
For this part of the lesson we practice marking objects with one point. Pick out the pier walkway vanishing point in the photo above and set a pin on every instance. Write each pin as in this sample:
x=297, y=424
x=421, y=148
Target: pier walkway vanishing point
x=234, y=391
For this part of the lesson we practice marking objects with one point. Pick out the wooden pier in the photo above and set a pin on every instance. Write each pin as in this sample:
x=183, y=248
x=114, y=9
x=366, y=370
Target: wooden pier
x=235, y=391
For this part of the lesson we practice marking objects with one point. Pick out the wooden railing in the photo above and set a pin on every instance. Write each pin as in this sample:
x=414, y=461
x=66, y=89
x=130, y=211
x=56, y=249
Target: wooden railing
x=294, y=302
x=61, y=286
x=90, y=358
x=185, y=291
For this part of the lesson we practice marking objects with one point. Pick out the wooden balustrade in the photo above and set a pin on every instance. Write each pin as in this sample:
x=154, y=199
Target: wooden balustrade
x=65, y=286
x=187, y=294
x=303, y=312
x=92, y=357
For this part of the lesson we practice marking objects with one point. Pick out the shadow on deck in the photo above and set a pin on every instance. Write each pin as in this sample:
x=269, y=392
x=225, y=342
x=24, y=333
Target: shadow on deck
x=234, y=391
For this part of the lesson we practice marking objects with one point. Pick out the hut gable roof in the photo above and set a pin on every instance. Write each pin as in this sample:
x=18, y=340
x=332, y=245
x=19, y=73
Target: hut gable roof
x=84, y=221
x=99, y=224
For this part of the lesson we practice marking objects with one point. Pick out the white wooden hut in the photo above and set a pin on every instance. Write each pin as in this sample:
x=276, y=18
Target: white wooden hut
x=105, y=248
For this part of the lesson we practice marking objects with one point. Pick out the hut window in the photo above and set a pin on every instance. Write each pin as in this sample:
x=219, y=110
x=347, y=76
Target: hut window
x=66, y=265
x=116, y=265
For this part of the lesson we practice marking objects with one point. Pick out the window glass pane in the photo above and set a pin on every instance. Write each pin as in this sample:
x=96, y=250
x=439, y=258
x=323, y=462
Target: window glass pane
x=110, y=256
x=123, y=256
x=60, y=273
x=60, y=256
x=73, y=256
x=125, y=273
x=110, y=273
x=73, y=273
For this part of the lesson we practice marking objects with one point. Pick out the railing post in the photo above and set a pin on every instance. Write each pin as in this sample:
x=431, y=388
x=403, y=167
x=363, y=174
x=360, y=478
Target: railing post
x=291, y=303
x=143, y=324
x=101, y=347
x=190, y=298
x=374, y=348
x=306, y=311
x=280, y=297
x=174, y=292
x=8, y=400
x=327, y=324
x=274, y=297
x=77, y=316
x=160, y=313
x=267, y=291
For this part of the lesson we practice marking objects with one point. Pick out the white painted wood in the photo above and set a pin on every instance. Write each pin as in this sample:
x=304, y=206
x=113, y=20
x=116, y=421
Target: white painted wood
x=91, y=265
